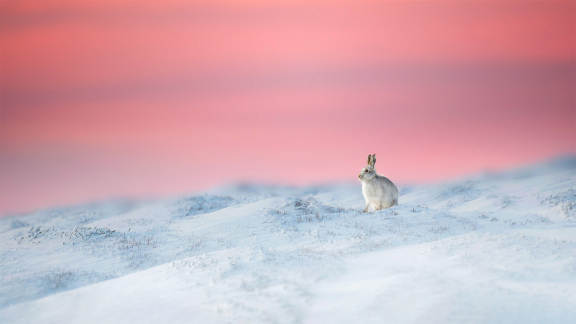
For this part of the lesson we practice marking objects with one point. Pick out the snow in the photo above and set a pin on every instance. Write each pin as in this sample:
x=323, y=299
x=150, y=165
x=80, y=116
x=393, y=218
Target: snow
x=491, y=248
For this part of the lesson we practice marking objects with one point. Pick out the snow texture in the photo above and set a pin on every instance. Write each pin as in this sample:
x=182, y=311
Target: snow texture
x=493, y=248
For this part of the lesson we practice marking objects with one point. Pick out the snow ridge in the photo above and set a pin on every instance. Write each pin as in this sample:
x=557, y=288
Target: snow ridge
x=497, y=247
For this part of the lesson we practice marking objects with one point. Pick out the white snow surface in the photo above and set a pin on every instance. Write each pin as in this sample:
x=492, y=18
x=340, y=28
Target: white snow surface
x=492, y=248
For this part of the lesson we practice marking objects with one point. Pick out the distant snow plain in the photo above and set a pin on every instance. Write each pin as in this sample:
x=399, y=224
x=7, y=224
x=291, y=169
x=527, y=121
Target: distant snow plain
x=490, y=248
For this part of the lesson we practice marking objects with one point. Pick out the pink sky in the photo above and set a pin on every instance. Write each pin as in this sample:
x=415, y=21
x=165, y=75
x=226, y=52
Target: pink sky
x=147, y=98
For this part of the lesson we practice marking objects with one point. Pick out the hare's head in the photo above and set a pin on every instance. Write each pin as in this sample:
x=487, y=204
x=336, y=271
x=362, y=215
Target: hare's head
x=368, y=172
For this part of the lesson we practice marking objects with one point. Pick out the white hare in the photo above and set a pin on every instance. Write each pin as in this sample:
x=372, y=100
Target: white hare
x=379, y=192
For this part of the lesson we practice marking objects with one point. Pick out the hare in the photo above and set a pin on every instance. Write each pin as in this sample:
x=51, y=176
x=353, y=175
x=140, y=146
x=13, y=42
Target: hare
x=379, y=192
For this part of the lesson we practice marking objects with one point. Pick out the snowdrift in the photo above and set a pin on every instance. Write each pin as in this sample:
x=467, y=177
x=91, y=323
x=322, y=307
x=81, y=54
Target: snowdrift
x=493, y=248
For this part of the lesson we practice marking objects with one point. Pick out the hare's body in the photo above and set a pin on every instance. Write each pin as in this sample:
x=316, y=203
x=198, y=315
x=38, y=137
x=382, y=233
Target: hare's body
x=379, y=192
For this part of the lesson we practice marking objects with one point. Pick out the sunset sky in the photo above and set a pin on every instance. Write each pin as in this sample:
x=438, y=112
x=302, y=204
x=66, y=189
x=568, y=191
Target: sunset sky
x=116, y=98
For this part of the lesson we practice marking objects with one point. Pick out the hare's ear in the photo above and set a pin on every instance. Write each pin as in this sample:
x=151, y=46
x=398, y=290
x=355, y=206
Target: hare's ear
x=369, y=159
x=373, y=159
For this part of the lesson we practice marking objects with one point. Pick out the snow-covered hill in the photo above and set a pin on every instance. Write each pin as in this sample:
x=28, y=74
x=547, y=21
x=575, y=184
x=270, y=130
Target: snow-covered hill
x=494, y=248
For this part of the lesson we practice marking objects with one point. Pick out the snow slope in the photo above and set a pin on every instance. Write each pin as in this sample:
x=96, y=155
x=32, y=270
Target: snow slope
x=493, y=248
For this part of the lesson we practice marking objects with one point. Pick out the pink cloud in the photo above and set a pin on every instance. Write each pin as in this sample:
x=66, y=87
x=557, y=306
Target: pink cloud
x=107, y=100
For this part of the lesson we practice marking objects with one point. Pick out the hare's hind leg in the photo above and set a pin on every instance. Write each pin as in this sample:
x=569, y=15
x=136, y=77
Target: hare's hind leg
x=383, y=205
